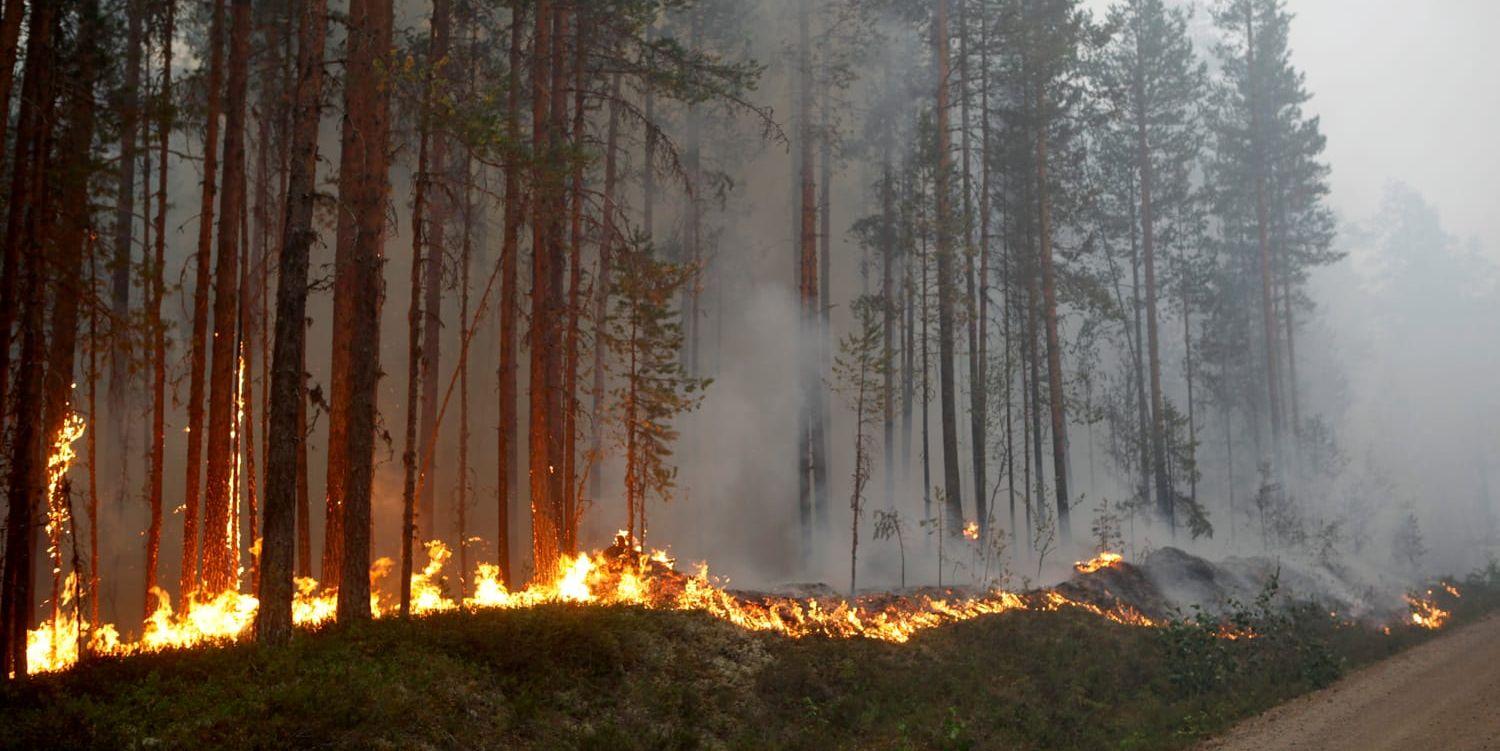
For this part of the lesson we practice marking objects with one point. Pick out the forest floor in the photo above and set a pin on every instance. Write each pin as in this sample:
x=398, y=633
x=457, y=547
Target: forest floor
x=590, y=677
x=1437, y=695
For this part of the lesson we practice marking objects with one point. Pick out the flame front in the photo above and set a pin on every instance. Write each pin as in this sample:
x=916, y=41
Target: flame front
x=1101, y=561
x=622, y=574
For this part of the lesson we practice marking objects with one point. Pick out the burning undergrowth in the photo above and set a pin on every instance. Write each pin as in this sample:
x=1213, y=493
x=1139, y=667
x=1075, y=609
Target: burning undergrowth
x=1150, y=595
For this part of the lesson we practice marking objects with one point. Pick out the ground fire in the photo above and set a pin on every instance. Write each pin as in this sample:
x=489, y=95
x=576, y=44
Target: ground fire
x=621, y=574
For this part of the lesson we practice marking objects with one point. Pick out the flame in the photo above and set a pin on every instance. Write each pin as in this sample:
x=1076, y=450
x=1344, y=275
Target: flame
x=971, y=530
x=622, y=574
x=1426, y=613
x=1103, y=560
x=58, y=460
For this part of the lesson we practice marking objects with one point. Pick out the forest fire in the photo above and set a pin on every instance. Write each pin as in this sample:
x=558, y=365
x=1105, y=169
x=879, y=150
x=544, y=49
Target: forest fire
x=619, y=575
x=1101, y=561
x=1426, y=613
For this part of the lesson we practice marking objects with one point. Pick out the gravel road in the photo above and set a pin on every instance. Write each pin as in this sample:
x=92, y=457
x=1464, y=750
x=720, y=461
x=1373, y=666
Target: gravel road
x=1444, y=694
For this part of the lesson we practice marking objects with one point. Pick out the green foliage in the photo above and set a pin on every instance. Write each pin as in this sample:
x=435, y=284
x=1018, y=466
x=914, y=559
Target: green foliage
x=644, y=338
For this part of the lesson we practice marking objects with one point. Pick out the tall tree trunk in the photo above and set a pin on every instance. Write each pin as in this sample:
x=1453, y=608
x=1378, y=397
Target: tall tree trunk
x=1268, y=310
x=191, y=559
x=1164, y=494
x=602, y=285
x=948, y=397
x=220, y=556
x=10, y=38
x=889, y=312
x=130, y=111
x=432, y=302
x=156, y=293
x=822, y=418
x=23, y=264
x=982, y=380
x=414, y=345
x=978, y=444
x=1055, y=396
x=70, y=228
x=510, y=304
x=10, y=31
x=810, y=412
x=582, y=29
x=464, y=325
x=546, y=523
x=367, y=105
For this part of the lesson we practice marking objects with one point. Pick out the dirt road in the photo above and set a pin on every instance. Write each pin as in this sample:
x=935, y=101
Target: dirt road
x=1444, y=694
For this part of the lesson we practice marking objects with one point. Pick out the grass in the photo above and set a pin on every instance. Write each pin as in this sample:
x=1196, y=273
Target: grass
x=564, y=676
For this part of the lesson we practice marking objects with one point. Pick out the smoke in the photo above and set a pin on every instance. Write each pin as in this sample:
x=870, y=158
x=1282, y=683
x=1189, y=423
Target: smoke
x=1395, y=363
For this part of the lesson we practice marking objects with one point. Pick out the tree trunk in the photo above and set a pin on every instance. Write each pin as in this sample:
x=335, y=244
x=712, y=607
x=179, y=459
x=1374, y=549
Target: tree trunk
x=580, y=82
x=220, y=556
x=978, y=444
x=157, y=292
x=125, y=223
x=24, y=259
x=507, y=466
x=546, y=522
x=1268, y=310
x=191, y=559
x=435, y=228
x=366, y=104
x=1055, y=396
x=602, y=285
x=948, y=397
x=414, y=342
x=809, y=437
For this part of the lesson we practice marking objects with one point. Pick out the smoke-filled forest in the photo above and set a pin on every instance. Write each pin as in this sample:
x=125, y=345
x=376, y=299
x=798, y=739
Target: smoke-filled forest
x=477, y=335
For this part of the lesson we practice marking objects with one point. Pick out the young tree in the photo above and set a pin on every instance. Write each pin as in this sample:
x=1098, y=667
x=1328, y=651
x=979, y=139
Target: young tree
x=645, y=340
x=859, y=376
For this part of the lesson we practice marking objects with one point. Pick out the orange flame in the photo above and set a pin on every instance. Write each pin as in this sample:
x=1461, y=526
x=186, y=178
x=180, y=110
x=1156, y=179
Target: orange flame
x=1426, y=613
x=1101, y=561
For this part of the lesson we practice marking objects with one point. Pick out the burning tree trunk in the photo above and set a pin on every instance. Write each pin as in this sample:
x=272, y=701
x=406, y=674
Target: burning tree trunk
x=366, y=104
x=220, y=553
x=71, y=227
x=285, y=489
x=199, y=363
